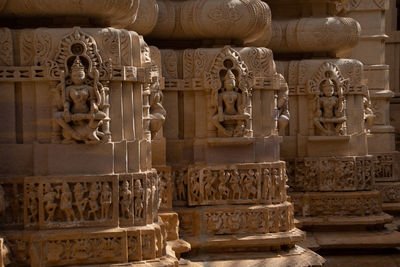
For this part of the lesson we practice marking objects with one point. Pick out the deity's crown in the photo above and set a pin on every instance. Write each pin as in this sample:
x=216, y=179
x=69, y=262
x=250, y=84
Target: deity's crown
x=229, y=76
x=327, y=82
x=77, y=65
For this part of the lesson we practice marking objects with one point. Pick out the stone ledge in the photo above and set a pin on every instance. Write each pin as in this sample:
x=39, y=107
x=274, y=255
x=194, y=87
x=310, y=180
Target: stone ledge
x=296, y=256
x=345, y=221
x=247, y=242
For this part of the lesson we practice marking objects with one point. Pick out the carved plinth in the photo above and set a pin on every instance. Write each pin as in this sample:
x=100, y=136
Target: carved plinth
x=239, y=227
x=95, y=204
x=331, y=174
x=88, y=246
x=246, y=200
x=338, y=210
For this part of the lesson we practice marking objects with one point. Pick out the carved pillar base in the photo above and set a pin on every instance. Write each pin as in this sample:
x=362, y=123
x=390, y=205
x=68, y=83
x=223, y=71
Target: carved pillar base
x=168, y=217
x=236, y=207
x=88, y=246
x=69, y=220
x=387, y=180
x=336, y=192
x=238, y=228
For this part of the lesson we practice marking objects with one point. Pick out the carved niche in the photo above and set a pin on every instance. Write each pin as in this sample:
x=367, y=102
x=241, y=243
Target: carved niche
x=327, y=92
x=229, y=87
x=80, y=99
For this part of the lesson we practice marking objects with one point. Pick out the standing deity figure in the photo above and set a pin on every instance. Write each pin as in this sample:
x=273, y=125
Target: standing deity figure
x=209, y=189
x=93, y=203
x=49, y=200
x=231, y=119
x=78, y=106
x=329, y=109
x=180, y=186
x=80, y=199
x=268, y=186
x=235, y=185
x=250, y=190
x=194, y=178
x=106, y=200
x=138, y=195
x=66, y=202
x=32, y=206
x=126, y=200
x=223, y=190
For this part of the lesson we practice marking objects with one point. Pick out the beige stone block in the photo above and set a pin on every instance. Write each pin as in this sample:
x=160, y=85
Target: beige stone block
x=120, y=157
x=381, y=140
x=369, y=44
x=128, y=111
x=28, y=109
x=43, y=112
x=116, y=114
x=172, y=122
x=7, y=113
x=17, y=159
x=80, y=159
x=378, y=77
x=158, y=151
x=134, y=152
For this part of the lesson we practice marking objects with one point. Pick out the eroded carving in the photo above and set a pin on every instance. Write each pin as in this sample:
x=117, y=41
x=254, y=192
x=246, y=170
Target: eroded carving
x=327, y=91
x=80, y=100
x=230, y=98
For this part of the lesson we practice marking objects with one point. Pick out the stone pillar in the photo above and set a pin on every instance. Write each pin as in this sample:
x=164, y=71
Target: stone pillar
x=381, y=143
x=229, y=182
x=80, y=106
x=332, y=174
x=225, y=105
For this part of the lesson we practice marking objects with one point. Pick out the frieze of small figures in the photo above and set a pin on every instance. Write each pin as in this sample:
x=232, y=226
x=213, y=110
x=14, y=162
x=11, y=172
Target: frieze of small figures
x=70, y=201
x=334, y=205
x=12, y=203
x=165, y=188
x=384, y=167
x=258, y=183
x=332, y=174
x=239, y=220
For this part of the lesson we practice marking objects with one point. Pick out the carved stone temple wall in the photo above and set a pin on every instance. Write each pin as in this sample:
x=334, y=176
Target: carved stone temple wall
x=136, y=131
x=391, y=192
x=334, y=128
x=225, y=104
x=79, y=107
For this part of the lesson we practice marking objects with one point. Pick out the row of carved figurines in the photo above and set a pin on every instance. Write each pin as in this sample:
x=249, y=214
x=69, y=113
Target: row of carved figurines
x=94, y=203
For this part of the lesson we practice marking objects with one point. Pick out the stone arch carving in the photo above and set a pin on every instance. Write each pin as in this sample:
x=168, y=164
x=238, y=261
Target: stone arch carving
x=229, y=83
x=80, y=100
x=327, y=92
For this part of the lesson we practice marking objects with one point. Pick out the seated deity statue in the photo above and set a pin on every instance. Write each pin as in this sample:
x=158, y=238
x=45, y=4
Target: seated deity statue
x=231, y=118
x=80, y=115
x=329, y=114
